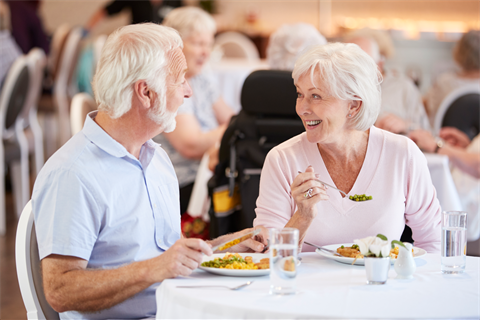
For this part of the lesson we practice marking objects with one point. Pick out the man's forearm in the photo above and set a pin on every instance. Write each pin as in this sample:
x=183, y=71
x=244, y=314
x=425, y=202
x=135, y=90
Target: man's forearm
x=89, y=290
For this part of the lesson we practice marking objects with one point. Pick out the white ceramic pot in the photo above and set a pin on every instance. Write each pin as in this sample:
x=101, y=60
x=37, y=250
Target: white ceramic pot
x=405, y=265
x=377, y=269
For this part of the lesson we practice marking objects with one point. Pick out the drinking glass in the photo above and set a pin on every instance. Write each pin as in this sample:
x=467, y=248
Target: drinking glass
x=454, y=241
x=283, y=260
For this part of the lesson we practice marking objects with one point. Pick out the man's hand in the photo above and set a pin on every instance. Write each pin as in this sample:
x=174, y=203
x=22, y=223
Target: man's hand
x=392, y=123
x=180, y=259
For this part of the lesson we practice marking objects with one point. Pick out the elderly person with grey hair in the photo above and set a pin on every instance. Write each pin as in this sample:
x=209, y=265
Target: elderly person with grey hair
x=201, y=120
x=289, y=42
x=338, y=101
x=467, y=56
x=106, y=205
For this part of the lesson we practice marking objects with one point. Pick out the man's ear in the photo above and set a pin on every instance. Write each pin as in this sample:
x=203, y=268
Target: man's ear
x=143, y=93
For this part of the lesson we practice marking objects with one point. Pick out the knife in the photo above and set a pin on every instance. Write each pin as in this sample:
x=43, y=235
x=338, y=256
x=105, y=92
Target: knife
x=324, y=249
x=233, y=242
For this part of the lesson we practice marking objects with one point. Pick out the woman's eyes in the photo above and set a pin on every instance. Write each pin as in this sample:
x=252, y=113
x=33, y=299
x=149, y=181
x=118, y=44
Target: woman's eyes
x=314, y=96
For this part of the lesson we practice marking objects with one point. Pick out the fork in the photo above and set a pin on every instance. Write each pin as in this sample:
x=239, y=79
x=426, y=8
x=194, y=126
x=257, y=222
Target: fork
x=230, y=288
x=330, y=186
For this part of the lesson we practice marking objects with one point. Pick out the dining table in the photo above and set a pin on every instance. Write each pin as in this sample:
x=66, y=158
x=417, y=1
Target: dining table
x=326, y=288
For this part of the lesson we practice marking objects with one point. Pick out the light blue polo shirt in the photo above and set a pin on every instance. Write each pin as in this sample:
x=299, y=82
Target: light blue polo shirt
x=95, y=201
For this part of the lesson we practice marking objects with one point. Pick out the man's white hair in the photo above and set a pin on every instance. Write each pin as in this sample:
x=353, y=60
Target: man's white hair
x=348, y=74
x=190, y=20
x=289, y=42
x=132, y=53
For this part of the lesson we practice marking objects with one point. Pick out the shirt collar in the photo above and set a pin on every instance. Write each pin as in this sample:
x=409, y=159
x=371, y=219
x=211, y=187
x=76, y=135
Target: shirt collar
x=104, y=141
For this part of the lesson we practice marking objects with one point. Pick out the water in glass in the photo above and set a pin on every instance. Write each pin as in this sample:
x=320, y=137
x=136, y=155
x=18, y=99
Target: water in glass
x=454, y=247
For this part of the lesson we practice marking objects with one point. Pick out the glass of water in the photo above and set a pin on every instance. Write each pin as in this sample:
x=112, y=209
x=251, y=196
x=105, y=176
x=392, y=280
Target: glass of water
x=454, y=241
x=283, y=260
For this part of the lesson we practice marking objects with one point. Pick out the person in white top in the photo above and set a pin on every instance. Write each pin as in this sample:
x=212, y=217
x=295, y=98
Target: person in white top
x=467, y=55
x=338, y=101
x=402, y=108
x=465, y=157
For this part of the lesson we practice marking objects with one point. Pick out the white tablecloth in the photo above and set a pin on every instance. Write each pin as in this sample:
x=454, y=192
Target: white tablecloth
x=442, y=180
x=327, y=288
x=230, y=75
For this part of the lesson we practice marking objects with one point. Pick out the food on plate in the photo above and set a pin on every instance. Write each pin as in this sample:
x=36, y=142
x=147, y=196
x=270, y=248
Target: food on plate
x=263, y=264
x=350, y=252
x=235, y=261
x=360, y=197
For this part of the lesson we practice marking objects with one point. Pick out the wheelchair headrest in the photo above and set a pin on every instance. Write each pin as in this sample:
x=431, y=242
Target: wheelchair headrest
x=269, y=92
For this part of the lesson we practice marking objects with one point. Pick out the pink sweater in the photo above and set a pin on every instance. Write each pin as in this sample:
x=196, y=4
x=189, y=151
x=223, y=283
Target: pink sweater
x=394, y=173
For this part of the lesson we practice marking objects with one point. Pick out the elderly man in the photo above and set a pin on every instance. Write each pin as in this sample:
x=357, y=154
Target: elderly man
x=402, y=108
x=106, y=204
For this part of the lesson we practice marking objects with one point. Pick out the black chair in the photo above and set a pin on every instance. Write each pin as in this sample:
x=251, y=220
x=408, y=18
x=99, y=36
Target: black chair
x=267, y=119
x=460, y=109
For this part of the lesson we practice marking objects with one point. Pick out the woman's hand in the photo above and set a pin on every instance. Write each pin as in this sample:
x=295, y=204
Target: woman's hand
x=454, y=137
x=307, y=191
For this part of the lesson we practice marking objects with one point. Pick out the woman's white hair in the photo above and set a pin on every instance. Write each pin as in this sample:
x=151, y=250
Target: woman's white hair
x=289, y=42
x=132, y=53
x=190, y=20
x=348, y=74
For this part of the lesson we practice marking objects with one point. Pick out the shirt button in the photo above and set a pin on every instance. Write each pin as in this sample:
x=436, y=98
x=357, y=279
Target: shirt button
x=155, y=206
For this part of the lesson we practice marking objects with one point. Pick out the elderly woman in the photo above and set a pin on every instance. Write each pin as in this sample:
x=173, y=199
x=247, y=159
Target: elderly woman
x=338, y=102
x=203, y=118
x=289, y=42
x=467, y=55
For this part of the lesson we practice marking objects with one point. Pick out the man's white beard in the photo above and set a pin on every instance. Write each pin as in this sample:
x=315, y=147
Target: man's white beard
x=165, y=118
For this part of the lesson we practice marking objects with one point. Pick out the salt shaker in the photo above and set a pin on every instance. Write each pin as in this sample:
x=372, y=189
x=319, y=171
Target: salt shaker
x=405, y=265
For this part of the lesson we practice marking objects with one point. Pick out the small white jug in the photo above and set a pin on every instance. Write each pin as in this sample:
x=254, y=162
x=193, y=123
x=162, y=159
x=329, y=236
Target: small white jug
x=405, y=265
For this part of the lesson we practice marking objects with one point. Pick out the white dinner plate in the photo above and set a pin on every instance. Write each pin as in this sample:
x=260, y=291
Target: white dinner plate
x=235, y=272
x=417, y=253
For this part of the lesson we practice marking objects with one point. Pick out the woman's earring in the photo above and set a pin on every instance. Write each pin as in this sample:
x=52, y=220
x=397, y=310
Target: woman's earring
x=350, y=115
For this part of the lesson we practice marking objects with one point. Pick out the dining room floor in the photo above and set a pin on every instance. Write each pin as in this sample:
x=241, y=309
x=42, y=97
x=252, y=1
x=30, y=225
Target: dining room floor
x=11, y=303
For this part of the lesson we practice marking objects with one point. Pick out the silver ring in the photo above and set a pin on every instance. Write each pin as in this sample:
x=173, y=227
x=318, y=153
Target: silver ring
x=308, y=194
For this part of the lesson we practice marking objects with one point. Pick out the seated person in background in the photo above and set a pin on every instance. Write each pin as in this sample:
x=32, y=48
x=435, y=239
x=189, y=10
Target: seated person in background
x=338, y=101
x=289, y=42
x=141, y=11
x=465, y=157
x=9, y=50
x=401, y=107
x=201, y=120
x=27, y=27
x=467, y=55
x=106, y=205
